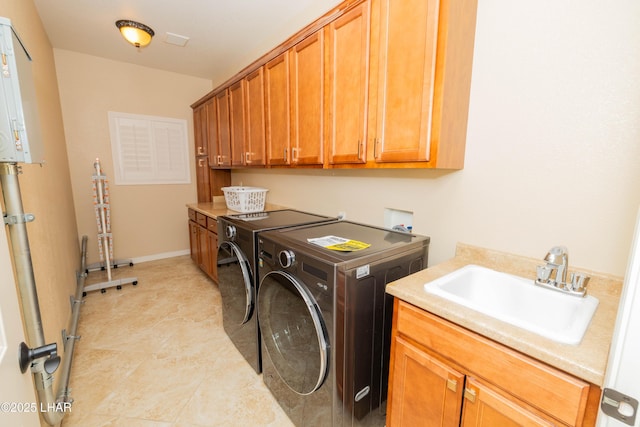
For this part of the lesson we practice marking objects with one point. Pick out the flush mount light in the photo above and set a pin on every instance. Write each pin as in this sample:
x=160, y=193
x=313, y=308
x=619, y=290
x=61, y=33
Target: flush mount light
x=135, y=33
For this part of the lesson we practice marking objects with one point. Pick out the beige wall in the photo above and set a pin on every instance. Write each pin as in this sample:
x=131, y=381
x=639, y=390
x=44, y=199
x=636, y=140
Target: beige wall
x=147, y=221
x=46, y=190
x=553, y=148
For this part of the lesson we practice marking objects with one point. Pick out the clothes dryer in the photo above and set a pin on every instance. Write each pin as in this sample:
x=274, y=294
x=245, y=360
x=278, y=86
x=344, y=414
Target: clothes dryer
x=237, y=276
x=325, y=319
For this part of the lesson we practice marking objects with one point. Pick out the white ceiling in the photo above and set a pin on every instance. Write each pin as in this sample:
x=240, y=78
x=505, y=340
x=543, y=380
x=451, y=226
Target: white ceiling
x=224, y=35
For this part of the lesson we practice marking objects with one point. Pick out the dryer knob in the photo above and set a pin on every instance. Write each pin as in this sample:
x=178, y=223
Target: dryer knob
x=287, y=258
x=230, y=232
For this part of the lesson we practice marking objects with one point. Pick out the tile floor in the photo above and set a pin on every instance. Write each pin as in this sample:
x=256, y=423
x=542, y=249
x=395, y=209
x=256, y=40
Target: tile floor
x=156, y=355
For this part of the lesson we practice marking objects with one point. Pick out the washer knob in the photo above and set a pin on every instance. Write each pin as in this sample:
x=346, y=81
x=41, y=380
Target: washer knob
x=230, y=232
x=287, y=258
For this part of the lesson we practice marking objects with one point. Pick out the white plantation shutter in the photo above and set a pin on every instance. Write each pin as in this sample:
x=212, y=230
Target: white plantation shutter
x=149, y=150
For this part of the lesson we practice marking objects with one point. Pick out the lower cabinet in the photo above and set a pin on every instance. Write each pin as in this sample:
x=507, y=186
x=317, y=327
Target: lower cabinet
x=212, y=238
x=426, y=391
x=193, y=241
x=442, y=374
x=203, y=241
x=485, y=406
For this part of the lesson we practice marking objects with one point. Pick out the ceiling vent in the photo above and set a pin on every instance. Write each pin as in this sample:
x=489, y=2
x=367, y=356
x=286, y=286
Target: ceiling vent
x=176, y=39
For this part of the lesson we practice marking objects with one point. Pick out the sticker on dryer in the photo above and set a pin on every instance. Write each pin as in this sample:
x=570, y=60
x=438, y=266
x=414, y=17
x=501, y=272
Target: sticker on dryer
x=362, y=271
x=341, y=244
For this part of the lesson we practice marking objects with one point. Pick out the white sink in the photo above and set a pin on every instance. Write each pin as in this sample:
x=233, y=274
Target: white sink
x=518, y=301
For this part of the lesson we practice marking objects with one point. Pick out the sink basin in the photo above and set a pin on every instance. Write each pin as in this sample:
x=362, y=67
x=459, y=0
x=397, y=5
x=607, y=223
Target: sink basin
x=517, y=301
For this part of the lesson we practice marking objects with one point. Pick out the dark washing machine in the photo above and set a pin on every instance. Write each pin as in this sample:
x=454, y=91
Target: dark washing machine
x=325, y=319
x=237, y=277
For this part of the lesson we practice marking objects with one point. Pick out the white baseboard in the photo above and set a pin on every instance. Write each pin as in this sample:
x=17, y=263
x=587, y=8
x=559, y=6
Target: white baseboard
x=163, y=255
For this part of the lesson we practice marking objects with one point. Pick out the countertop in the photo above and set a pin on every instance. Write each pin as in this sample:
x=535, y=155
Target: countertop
x=218, y=207
x=587, y=360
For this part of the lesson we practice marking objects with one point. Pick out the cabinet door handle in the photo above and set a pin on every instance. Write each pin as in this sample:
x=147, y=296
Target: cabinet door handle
x=219, y=159
x=452, y=385
x=294, y=154
x=375, y=148
x=200, y=163
x=247, y=157
x=284, y=155
x=470, y=395
x=200, y=151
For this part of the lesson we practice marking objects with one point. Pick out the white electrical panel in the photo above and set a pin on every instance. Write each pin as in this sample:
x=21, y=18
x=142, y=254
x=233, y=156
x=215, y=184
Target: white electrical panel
x=20, y=138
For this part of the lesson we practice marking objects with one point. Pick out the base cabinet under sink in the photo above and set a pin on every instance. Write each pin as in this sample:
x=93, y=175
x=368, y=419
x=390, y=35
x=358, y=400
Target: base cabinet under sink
x=442, y=374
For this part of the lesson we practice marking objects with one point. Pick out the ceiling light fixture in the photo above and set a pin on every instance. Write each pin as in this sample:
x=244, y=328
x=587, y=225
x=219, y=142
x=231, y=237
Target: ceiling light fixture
x=135, y=33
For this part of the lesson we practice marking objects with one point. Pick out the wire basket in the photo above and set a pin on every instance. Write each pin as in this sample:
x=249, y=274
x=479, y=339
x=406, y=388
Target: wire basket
x=245, y=199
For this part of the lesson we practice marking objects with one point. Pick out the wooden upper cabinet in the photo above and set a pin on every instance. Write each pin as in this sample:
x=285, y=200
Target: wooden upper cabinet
x=278, y=113
x=246, y=103
x=347, y=87
x=212, y=131
x=201, y=136
x=223, y=129
x=307, y=99
x=255, y=124
x=424, y=57
x=238, y=123
x=407, y=62
x=371, y=84
x=200, y=130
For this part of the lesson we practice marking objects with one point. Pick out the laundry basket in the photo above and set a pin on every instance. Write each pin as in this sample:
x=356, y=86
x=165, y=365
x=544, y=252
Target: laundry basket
x=245, y=199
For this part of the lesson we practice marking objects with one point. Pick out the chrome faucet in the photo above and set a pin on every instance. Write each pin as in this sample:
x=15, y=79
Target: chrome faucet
x=553, y=275
x=558, y=258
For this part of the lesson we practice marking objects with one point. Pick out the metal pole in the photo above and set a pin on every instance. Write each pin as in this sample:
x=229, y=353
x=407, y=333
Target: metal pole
x=16, y=220
x=63, y=394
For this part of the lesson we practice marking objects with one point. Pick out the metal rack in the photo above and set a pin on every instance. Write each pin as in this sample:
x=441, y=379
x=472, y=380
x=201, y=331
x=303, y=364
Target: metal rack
x=105, y=238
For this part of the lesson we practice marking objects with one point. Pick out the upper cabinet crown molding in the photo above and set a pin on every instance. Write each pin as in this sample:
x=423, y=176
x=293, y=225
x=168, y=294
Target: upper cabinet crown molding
x=371, y=84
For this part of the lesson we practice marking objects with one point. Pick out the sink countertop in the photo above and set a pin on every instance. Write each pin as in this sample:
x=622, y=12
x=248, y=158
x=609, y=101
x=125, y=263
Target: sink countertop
x=587, y=360
x=218, y=207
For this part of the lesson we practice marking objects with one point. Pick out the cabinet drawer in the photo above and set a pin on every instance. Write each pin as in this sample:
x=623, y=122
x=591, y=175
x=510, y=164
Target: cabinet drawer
x=542, y=386
x=212, y=225
x=201, y=219
x=192, y=215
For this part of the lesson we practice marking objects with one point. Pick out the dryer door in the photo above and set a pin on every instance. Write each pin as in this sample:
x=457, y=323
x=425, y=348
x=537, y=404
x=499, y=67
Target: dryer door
x=236, y=285
x=293, y=331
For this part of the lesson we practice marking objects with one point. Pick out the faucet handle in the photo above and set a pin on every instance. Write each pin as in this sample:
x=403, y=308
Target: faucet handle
x=544, y=273
x=579, y=281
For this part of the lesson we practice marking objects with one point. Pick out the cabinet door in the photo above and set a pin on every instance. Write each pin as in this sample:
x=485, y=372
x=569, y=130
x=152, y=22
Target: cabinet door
x=255, y=141
x=213, y=255
x=406, y=79
x=237, y=122
x=348, y=86
x=212, y=131
x=424, y=391
x=223, y=131
x=277, y=109
x=204, y=258
x=201, y=135
x=484, y=407
x=203, y=184
x=193, y=242
x=307, y=94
